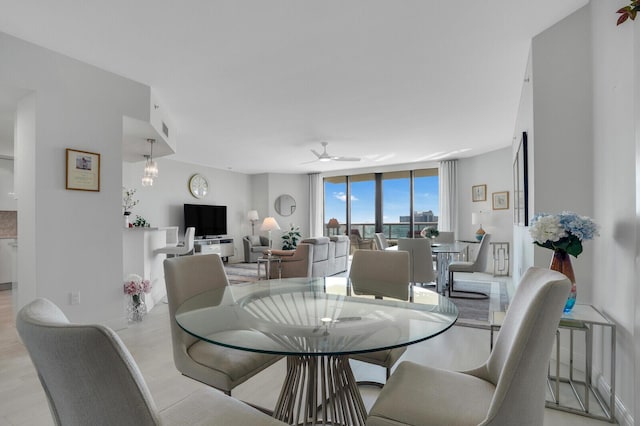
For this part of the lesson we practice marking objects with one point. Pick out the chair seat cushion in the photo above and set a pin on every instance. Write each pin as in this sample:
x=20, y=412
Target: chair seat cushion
x=461, y=267
x=211, y=407
x=234, y=363
x=446, y=398
x=259, y=249
x=384, y=358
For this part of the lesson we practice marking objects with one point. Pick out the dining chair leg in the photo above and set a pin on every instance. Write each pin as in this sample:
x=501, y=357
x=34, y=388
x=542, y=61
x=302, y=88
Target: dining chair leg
x=478, y=294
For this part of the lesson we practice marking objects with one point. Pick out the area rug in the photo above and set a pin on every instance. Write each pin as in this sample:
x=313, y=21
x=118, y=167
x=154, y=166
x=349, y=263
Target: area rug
x=239, y=273
x=476, y=313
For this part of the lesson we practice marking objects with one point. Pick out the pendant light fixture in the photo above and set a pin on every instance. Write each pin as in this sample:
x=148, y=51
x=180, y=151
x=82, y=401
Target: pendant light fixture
x=150, y=166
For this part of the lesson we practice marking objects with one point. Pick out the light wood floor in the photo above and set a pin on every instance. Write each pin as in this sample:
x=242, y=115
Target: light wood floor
x=22, y=401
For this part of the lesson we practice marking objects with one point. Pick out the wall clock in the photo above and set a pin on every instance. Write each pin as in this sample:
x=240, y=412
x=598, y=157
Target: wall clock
x=198, y=186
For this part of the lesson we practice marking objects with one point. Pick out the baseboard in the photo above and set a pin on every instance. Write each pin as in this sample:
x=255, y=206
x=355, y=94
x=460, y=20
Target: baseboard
x=622, y=415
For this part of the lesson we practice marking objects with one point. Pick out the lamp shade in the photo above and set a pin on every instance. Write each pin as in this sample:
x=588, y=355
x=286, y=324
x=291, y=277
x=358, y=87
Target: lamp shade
x=253, y=215
x=269, y=224
x=476, y=219
x=333, y=223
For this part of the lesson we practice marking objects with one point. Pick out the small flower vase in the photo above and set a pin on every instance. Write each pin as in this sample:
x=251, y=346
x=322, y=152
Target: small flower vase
x=137, y=308
x=126, y=219
x=561, y=262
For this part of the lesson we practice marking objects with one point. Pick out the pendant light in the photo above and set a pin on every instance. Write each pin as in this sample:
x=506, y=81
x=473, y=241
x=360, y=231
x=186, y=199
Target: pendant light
x=150, y=166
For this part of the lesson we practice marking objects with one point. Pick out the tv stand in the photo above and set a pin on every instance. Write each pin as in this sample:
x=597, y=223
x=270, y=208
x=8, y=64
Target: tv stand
x=221, y=245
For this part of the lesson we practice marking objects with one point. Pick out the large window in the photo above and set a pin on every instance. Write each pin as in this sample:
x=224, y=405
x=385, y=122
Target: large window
x=399, y=204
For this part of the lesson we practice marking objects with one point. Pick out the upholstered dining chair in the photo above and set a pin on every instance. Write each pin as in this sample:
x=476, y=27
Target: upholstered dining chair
x=381, y=241
x=180, y=249
x=508, y=389
x=478, y=265
x=359, y=243
x=420, y=259
x=89, y=377
x=381, y=274
x=445, y=237
x=217, y=366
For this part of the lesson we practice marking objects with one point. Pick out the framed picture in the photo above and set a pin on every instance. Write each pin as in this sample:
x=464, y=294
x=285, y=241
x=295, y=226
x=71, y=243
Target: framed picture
x=479, y=193
x=500, y=200
x=521, y=184
x=83, y=170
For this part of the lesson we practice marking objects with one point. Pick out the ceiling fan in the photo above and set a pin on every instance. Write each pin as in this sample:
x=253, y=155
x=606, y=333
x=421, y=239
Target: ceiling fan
x=324, y=156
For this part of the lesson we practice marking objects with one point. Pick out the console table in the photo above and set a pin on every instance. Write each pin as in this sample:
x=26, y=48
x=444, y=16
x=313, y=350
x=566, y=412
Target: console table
x=222, y=246
x=582, y=319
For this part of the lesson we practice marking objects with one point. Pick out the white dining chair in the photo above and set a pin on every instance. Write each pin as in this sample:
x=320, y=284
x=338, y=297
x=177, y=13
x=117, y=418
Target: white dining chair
x=180, y=249
x=420, y=259
x=89, y=377
x=508, y=389
x=380, y=274
x=478, y=265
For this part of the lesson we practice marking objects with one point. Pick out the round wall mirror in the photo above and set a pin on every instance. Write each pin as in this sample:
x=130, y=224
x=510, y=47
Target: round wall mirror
x=285, y=205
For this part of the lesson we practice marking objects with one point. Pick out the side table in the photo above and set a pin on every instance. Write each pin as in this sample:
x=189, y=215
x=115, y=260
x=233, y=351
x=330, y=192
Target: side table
x=267, y=262
x=582, y=319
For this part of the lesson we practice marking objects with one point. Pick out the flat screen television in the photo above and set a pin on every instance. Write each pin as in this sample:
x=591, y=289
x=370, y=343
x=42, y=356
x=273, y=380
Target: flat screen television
x=209, y=221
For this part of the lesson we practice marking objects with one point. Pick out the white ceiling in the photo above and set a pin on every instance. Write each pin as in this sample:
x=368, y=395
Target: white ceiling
x=253, y=85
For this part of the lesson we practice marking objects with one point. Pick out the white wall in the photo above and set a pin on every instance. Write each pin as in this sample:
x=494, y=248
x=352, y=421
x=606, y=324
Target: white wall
x=584, y=144
x=162, y=204
x=493, y=169
x=7, y=202
x=615, y=189
x=69, y=240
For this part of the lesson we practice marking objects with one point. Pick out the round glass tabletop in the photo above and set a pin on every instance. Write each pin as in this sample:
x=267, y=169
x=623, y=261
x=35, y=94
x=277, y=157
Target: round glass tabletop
x=313, y=316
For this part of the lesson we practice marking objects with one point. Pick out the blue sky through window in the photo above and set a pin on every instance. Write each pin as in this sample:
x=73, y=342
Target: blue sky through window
x=396, y=199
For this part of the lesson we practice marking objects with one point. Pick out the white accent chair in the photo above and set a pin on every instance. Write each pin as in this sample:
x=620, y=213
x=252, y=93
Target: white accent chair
x=381, y=241
x=381, y=274
x=218, y=366
x=180, y=249
x=508, y=389
x=89, y=377
x=478, y=265
x=445, y=237
x=421, y=259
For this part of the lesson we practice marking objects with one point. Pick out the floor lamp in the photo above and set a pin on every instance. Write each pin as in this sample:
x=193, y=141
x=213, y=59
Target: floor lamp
x=253, y=218
x=269, y=224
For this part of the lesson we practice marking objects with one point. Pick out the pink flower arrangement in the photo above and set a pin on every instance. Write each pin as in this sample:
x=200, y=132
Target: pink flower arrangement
x=134, y=285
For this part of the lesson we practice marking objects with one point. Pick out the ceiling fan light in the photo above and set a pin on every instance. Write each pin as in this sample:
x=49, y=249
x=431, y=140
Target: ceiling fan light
x=324, y=159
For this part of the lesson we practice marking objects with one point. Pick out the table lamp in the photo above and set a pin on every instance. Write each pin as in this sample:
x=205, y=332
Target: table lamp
x=476, y=219
x=269, y=224
x=253, y=218
x=333, y=224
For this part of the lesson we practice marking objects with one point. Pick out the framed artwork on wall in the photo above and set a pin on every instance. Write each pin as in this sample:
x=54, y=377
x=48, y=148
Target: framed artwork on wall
x=521, y=184
x=83, y=170
x=500, y=200
x=479, y=193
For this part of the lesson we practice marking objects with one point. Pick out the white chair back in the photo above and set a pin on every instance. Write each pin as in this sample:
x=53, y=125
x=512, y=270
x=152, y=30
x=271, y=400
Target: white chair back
x=381, y=241
x=86, y=371
x=380, y=273
x=482, y=256
x=445, y=237
x=421, y=259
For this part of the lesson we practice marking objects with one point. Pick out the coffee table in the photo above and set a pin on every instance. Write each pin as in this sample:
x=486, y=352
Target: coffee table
x=317, y=323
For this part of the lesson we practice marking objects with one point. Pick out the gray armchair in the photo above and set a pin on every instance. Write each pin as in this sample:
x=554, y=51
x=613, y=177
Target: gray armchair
x=89, y=377
x=254, y=246
x=508, y=389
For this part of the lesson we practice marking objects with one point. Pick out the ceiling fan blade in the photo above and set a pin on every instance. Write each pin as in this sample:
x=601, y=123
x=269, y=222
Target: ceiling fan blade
x=346, y=158
x=316, y=153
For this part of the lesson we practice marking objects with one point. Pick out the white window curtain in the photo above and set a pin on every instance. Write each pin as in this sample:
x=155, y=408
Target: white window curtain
x=448, y=188
x=315, y=205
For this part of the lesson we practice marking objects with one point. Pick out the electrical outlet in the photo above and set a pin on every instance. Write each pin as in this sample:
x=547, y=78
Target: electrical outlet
x=74, y=298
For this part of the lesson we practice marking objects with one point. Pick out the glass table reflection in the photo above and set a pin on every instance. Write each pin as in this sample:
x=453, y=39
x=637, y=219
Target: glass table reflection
x=316, y=323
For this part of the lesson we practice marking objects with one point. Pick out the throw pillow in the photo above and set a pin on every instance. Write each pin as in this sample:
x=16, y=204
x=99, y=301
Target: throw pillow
x=255, y=240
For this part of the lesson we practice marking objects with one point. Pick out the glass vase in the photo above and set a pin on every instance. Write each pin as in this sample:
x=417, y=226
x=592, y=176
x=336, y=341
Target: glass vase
x=561, y=262
x=137, y=308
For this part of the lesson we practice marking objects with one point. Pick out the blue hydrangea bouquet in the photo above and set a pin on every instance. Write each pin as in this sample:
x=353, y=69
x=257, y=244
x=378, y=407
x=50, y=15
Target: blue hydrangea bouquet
x=562, y=232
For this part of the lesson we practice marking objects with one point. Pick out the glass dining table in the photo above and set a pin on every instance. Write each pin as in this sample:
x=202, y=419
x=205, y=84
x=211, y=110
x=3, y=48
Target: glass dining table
x=316, y=323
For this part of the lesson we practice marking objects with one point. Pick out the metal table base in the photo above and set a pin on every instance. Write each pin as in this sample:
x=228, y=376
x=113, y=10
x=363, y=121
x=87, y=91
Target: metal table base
x=320, y=390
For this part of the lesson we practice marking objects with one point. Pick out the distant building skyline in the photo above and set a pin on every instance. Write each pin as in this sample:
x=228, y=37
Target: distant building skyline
x=424, y=216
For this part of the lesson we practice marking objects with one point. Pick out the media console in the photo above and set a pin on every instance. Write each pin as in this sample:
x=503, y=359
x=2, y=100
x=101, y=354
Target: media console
x=222, y=246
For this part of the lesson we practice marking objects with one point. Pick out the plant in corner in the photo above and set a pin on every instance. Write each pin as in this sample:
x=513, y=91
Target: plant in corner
x=290, y=238
x=563, y=233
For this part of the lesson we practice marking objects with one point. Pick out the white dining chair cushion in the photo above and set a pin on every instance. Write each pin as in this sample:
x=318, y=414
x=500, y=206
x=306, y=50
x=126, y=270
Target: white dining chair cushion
x=211, y=407
x=442, y=390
